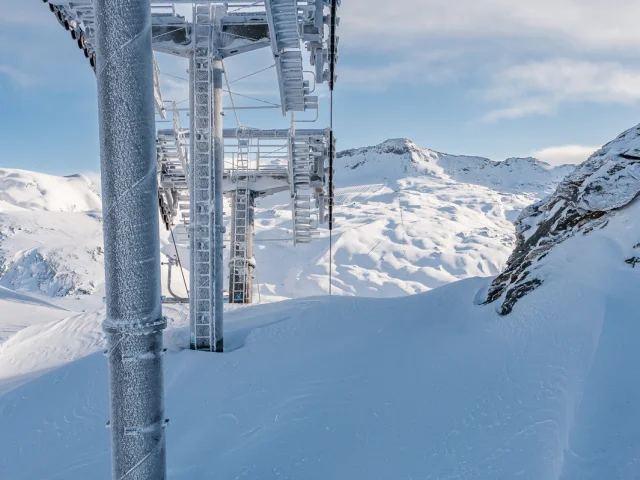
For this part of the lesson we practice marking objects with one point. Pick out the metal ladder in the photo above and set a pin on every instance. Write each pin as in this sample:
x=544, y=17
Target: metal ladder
x=301, y=163
x=202, y=221
x=239, y=261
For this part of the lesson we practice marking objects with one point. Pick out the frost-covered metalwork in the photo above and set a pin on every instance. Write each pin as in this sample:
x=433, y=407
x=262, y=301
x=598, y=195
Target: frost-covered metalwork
x=215, y=30
x=241, y=259
x=134, y=320
x=204, y=256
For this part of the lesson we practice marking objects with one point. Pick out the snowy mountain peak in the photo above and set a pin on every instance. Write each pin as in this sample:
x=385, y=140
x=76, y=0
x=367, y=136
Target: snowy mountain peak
x=399, y=158
x=584, y=201
x=397, y=146
x=25, y=190
x=50, y=233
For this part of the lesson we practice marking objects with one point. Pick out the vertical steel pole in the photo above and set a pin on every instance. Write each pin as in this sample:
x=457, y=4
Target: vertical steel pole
x=218, y=166
x=132, y=252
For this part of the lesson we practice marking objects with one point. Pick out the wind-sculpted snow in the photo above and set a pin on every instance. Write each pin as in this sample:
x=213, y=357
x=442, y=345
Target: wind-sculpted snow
x=430, y=386
x=407, y=220
x=586, y=200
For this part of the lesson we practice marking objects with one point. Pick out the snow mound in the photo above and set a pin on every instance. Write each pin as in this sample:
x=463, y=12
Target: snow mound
x=21, y=189
x=586, y=200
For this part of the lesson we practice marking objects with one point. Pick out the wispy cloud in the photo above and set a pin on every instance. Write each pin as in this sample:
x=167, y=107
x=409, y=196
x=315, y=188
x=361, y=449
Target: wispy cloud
x=541, y=87
x=427, y=68
x=576, y=23
x=21, y=78
x=565, y=154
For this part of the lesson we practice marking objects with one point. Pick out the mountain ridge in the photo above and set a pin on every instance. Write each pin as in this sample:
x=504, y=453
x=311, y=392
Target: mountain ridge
x=436, y=218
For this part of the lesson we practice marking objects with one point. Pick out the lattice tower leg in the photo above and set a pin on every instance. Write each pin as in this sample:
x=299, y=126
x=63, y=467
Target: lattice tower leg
x=206, y=187
x=242, y=261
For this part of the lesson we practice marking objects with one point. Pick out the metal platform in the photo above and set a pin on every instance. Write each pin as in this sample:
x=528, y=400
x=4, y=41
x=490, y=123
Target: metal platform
x=195, y=169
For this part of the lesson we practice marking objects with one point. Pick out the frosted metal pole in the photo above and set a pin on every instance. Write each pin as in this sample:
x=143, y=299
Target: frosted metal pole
x=132, y=251
x=218, y=166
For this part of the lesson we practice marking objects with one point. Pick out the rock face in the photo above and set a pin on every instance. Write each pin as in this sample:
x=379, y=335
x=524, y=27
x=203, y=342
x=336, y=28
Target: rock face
x=608, y=181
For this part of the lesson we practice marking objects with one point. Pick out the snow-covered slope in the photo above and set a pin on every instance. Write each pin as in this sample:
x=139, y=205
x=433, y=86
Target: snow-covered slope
x=50, y=234
x=585, y=200
x=407, y=219
x=431, y=386
x=22, y=189
x=399, y=158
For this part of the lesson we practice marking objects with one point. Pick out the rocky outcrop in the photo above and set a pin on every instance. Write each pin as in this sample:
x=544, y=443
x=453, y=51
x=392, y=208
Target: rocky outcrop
x=584, y=200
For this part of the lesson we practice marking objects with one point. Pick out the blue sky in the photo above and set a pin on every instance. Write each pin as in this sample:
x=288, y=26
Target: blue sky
x=499, y=78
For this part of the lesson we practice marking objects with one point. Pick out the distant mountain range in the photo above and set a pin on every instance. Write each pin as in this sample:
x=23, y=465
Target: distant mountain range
x=408, y=219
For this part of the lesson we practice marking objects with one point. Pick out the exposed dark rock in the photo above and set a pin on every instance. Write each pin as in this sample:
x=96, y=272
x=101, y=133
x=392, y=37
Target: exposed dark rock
x=607, y=181
x=633, y=261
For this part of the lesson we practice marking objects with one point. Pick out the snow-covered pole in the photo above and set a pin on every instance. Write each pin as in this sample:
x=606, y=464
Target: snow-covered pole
x=132, y=252
x=218, y=166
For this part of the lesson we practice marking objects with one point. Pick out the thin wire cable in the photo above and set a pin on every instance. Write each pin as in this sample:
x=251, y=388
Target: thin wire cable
x=253, y=98
x=330, y=191
x=174, y=76
x=167, y=33
x=233, y=104
x=260, y=2
x=225, y=91
x=251, y=74
x=179, y=263
x=332, y=65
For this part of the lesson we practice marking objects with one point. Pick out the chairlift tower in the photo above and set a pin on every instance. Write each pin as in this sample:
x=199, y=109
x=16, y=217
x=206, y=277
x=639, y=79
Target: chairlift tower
x=201, y=162
x=194, y=173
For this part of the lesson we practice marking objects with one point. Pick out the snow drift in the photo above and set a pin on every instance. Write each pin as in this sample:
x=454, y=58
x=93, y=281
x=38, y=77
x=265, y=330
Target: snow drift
x=436, y=385
x=430, y=386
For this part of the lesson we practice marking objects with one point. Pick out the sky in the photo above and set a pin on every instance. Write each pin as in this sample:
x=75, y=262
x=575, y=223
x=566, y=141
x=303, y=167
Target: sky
x=554, y=79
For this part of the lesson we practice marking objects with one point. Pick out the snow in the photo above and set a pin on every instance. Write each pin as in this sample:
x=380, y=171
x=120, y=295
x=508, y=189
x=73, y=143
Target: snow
x=21, y=189
x=424, y=386
x=585, y=200
x=20, y=311
x=433, y=385
x=50, y=234
x=408, y=220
